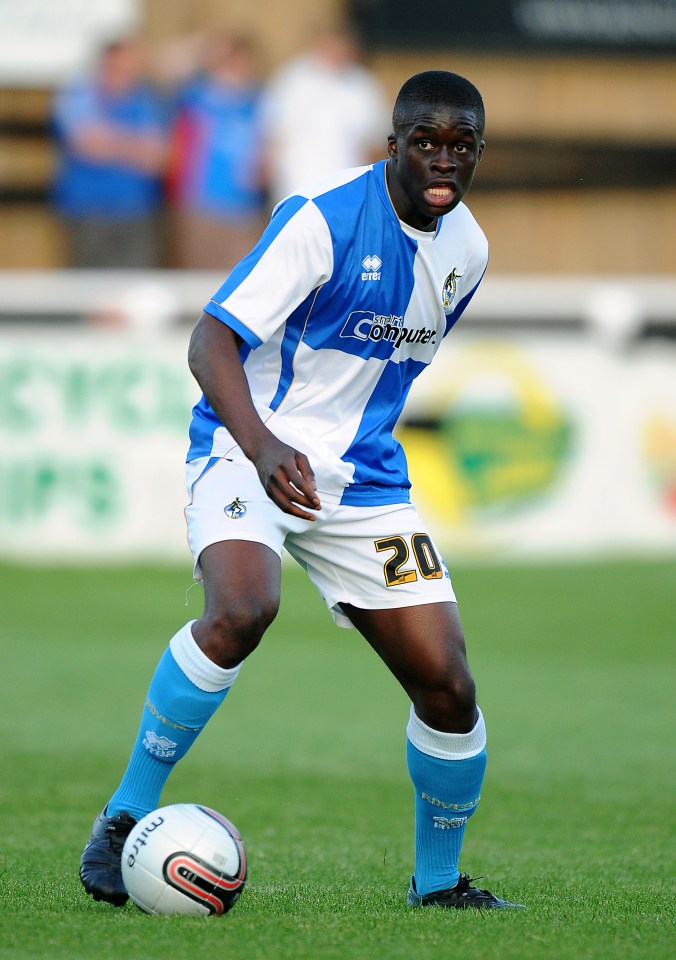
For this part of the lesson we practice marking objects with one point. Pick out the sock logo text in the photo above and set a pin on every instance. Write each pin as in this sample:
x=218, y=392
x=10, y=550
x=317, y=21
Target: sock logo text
x=450, y=806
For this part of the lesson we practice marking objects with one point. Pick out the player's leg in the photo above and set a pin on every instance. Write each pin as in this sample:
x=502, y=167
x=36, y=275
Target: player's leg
x=241, y=597
x=241, y=585
x=424, y=648
x=379, y=570
x=237, y=553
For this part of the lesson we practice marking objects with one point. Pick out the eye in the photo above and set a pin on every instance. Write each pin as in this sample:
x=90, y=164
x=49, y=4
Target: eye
x=461, y=148
x=425, y=144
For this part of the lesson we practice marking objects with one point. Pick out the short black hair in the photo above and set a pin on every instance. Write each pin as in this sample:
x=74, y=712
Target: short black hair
x=436, y=88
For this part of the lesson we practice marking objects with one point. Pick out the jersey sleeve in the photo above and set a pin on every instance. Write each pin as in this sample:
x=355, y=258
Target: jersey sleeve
x=293, y=258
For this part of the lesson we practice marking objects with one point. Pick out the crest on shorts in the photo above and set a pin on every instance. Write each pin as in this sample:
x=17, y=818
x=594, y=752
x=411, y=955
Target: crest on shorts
x=450, y=287
x=235, y=510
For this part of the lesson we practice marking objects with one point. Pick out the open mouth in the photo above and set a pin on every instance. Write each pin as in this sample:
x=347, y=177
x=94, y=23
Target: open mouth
x=439, y=196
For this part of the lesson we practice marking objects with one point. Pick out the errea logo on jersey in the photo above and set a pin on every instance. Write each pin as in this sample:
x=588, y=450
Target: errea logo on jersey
x=371, y=264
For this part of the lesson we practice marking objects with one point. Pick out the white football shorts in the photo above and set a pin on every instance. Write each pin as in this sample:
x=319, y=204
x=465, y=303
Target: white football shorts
x=371, y=557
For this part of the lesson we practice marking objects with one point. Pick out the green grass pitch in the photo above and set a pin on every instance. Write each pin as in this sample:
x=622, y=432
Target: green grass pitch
x=575, y=675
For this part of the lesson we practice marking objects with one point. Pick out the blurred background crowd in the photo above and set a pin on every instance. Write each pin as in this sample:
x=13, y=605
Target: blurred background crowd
x=188, y=119
x=177, y=161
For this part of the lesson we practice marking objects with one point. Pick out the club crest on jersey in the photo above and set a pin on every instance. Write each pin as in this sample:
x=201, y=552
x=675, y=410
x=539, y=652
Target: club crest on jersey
x=450, y=287
x=371, y=264
x=235, y=510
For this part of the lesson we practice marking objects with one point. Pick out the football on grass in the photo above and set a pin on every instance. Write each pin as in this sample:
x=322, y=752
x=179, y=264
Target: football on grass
x=184, y=858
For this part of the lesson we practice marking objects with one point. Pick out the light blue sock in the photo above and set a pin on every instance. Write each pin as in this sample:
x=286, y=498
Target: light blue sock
x=447, y=770
x=186, y=690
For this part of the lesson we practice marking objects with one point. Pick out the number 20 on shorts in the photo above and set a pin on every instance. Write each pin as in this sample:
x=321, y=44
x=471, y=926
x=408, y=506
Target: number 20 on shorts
x=426, y=559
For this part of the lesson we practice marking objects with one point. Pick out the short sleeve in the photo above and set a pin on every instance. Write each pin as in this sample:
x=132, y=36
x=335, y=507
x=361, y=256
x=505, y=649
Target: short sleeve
x=293, y=258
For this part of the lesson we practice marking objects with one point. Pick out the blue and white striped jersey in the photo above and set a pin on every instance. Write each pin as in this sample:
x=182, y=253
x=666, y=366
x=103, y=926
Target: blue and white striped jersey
x=340, y=306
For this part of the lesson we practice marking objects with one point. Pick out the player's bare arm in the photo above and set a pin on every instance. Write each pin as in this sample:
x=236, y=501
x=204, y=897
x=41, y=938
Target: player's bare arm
x=285, y=473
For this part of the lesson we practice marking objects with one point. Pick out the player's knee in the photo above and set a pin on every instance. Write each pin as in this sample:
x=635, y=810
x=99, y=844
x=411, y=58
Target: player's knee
x=461, y=695
x=449, y=705
x=246, y=619
x=231, y=633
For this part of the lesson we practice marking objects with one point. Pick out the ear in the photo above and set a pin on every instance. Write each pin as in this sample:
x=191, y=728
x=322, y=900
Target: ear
x=480, y=152
x=392, y=147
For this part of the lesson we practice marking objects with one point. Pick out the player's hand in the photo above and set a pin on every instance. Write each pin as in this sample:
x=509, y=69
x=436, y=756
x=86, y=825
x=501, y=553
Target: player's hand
x=288, y=478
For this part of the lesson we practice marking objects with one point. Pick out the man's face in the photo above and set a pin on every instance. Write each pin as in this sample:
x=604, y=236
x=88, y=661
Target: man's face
x=121, y=67
x=432, y=163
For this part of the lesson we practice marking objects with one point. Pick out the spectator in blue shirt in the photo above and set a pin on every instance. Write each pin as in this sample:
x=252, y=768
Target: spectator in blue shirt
x=216, y=177
x=110, y=130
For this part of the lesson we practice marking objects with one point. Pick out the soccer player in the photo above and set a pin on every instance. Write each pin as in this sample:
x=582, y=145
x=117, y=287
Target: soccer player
x=305, y=357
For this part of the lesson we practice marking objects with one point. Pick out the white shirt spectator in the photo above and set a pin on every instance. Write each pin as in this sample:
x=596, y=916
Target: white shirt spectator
x=323, y=111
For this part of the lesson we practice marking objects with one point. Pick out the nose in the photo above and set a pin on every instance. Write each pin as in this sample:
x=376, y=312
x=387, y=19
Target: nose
x=444, y=159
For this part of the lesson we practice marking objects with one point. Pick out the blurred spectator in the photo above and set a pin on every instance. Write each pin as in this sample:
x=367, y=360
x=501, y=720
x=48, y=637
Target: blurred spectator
x=324, y=111
x=215, y=177
x=108, y=186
